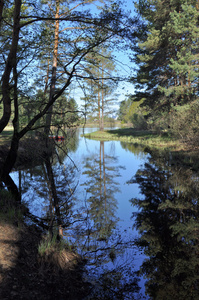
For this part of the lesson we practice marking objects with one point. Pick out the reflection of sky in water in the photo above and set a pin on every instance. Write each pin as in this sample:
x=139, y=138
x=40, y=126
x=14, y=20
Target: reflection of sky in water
x=35, y=202
x=129, y=163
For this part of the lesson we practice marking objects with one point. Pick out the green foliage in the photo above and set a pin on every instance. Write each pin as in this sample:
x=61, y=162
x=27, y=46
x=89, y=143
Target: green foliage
x=9, y=212
x=65, y=113
x=138, y=121
x=184, y=65
x=167, y=57
x=184, y=122
x=167, y=220
x=50, y=244
x=43, y=60
x=130, y=111
x=99, y=97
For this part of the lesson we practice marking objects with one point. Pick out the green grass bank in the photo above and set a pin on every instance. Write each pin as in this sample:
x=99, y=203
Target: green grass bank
x=142, y=137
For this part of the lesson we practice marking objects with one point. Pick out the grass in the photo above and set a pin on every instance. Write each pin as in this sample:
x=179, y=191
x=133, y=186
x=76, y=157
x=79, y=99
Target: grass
x=142, y=137
x=9, y=213
x=47, y=245
x=6, y=135
x=50, y=244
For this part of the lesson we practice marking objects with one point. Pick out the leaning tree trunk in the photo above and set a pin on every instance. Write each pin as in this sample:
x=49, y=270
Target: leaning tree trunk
x=12, y=154
x=10, y=63
x=7, y=167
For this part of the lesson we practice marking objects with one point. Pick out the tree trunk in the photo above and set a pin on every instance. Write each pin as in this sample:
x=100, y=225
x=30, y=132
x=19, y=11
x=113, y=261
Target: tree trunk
x=102, y=104
x=99, y=109
x=54, y=70
x=54, y=196
x=1, y=11
x=11, y=186
x=8, y=165
x=10, y=63
x=12, y=154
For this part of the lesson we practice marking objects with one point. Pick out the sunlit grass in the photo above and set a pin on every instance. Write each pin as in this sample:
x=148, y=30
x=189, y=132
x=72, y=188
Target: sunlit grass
x=142, y=137
x=5, y=136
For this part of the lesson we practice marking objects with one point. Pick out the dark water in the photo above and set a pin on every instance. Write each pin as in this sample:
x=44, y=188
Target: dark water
x=131, y=213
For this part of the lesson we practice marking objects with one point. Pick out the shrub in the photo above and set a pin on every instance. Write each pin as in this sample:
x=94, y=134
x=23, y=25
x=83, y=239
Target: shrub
x=138, y=121
x=185, y=122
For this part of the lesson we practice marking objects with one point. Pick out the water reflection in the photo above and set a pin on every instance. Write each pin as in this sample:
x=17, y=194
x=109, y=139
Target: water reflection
x=89, y=214
x=99, y=238
x=136, y=149
x=93, y=216
x=168, y=224
x=101, y=171
x=48, y=186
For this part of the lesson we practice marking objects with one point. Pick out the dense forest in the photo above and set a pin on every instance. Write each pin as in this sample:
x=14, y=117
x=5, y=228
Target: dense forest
x=166, y=76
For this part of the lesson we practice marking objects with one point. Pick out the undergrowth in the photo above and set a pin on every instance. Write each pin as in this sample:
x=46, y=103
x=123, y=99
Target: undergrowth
x=9, y=212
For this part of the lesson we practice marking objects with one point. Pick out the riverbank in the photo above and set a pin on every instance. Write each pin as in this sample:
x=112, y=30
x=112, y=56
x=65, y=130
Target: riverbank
x=142, y=137
x=25, y=272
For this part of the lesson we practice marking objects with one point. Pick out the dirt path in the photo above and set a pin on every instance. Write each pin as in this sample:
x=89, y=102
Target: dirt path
x=9, y=236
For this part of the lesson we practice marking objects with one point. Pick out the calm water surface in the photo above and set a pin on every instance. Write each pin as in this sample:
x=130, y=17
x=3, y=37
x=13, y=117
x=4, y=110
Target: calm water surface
x=125, y=209
x=115, y=164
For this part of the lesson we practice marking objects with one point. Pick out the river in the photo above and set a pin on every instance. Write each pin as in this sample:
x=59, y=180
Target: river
x=132, y=214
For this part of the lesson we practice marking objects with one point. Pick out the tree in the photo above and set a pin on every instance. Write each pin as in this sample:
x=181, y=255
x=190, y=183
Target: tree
x=185, y=64
x=10, y=65
x=54, y=68
x=130, y=111
x=101, y=85
x=23, y=57
x=167, y=56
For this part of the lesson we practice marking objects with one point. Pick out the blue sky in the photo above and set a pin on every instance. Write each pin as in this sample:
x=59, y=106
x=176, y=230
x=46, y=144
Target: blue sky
x=124, y=65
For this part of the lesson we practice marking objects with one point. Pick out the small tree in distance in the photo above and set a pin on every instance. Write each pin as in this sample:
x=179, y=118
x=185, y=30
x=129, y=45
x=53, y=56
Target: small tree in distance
x=100, y=86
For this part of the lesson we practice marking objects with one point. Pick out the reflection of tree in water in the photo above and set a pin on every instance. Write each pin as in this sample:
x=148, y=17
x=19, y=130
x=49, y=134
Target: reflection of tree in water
x=50, y=188
x=92, y=229
x=101, y=187
x=70, y=143
x=51, y=185
x=136, y=149
x=169, y=227
x=104, y=246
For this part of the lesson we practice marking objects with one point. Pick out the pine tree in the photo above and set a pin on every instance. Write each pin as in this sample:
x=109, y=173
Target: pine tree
x=167, y=55
x=100, y=85
x=185, y=63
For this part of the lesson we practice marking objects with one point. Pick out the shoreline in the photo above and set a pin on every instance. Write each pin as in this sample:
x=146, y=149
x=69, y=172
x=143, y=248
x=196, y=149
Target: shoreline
x=148, y=138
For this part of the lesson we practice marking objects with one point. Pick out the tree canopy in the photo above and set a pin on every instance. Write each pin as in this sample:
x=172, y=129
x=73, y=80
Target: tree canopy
x=45, y=46
x=166, y=59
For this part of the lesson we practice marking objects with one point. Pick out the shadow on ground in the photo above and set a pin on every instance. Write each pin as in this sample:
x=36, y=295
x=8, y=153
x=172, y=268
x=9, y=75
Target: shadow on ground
x=24, y=275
